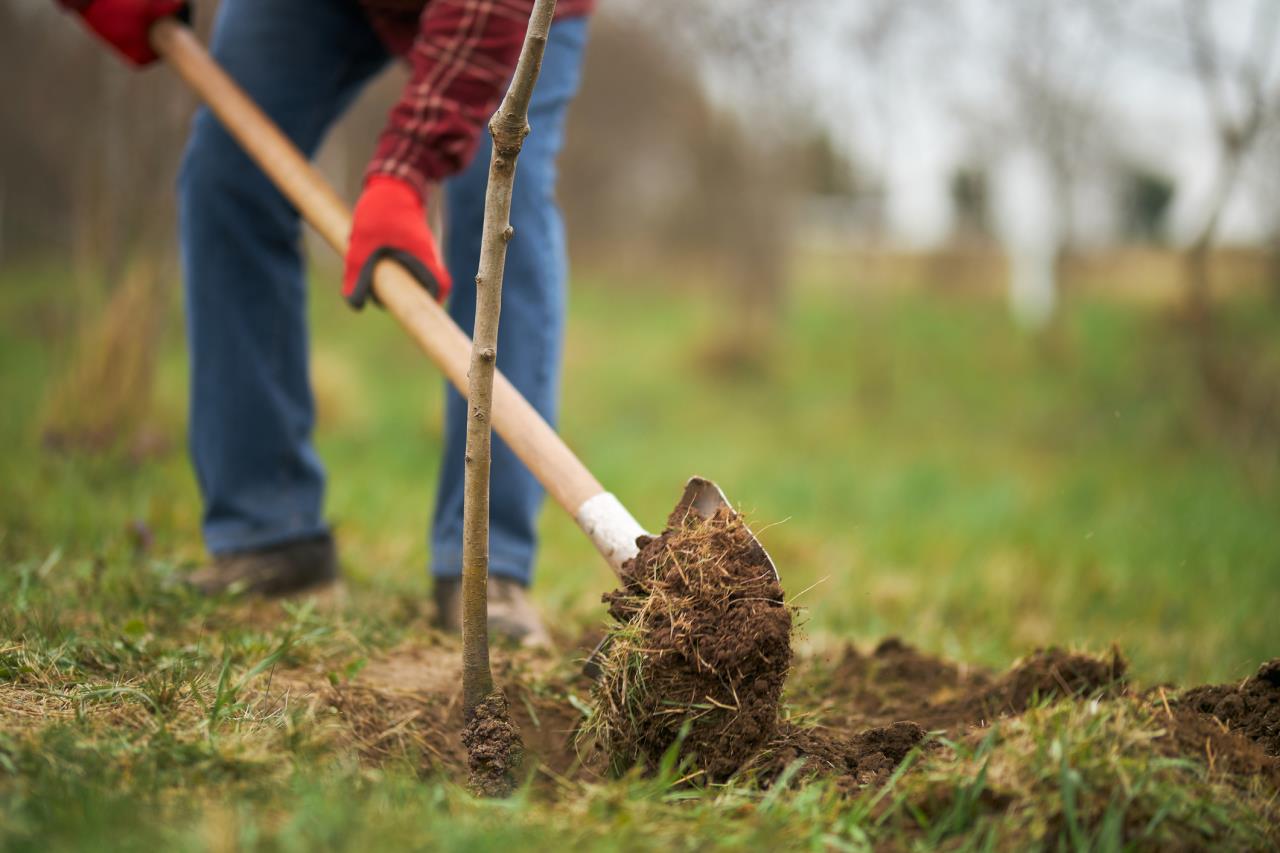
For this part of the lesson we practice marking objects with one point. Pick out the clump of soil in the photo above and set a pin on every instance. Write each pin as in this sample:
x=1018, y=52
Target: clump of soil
x=494, y=748
x=700, y=649
x=1251, y=708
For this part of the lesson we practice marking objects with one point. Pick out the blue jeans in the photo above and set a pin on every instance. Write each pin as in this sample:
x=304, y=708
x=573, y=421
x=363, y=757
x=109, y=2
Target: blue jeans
x=252, y=412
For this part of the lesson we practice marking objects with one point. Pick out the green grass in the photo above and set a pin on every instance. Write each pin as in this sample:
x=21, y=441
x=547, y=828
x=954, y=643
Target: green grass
x=921, y=468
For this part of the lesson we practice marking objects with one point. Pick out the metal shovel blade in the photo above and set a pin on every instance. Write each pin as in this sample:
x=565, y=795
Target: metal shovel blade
x=703, y=498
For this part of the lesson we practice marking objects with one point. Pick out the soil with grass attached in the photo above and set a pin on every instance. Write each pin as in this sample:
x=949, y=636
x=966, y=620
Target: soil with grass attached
x=494, y=748
x=701, y=649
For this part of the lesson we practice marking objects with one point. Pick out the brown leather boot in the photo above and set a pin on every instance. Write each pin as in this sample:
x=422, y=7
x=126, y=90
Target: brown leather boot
x=277, y=570
x=511, y=613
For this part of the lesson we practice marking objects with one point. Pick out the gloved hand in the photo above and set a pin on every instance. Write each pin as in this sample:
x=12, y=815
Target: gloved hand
x=125, y=24
x=390, y=222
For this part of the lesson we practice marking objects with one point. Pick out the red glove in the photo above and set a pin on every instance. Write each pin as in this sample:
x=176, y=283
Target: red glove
x=390, y=222
x=126, y=24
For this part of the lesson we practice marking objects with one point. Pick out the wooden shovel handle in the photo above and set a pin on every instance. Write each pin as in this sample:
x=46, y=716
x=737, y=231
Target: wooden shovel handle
x=529, y=436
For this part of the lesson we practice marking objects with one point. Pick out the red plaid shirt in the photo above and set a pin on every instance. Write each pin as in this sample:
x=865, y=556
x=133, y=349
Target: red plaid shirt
x=461, y=54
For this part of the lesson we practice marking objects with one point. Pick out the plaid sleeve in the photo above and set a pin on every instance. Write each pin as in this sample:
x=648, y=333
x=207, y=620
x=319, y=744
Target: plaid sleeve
x=460, y=61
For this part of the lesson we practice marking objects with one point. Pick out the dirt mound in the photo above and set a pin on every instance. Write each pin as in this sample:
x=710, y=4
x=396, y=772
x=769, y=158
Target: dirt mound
x=1192, y=734
x=494, y=748
x=866, y=758
x=1046, y=674
x=903, y=674
x=1251, y=708
x=853, y=720
x=898, y=682
x=893, y=682
x=700, y=649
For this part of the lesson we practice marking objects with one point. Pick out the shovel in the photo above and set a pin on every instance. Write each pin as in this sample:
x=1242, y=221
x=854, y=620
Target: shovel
x=602, y=517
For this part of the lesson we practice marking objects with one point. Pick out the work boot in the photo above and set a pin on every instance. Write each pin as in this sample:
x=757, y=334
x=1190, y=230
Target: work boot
x=511, y=614
x=273, y=571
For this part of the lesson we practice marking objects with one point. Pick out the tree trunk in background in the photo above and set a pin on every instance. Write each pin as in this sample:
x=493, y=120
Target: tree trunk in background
x=1198, y=306
x=1273, y=266
x=1197, y=258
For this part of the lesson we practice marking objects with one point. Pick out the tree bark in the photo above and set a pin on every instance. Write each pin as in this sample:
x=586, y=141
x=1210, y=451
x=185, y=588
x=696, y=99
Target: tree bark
x=509, y=126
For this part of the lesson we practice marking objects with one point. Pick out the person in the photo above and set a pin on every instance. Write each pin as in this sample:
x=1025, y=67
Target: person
x=251, y=407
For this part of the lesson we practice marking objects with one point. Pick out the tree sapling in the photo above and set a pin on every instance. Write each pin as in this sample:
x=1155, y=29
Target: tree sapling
x=492, y=741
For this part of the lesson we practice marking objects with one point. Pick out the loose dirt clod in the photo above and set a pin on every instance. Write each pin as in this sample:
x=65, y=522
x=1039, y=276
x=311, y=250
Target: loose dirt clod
x=702, y=640
x=494, y=748
x=1251, y=708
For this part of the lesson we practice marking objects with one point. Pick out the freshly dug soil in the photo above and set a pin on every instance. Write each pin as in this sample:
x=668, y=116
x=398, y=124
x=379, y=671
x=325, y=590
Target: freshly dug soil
x=1191, y=734
x=852, y=718
x=893, y=697
x=866, y=758
x=897, y=682
x=1251, y=708
x=700, y=649
x=494, y=748
x=1044, y=675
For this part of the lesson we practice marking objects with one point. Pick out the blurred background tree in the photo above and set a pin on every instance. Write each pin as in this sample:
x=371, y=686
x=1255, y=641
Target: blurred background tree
x=1242, y=102
x=1025, y=145
x=971, y=201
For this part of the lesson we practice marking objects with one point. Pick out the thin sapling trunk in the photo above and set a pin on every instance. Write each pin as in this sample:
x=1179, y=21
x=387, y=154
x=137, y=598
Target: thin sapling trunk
x=491, y=762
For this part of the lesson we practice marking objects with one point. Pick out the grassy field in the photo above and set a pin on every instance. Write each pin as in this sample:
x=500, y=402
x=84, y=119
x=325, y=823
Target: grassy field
x=918, y=467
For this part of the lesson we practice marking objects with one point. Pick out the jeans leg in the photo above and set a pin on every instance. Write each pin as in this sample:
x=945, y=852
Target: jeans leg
x=251, y=409
x=533, y=306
